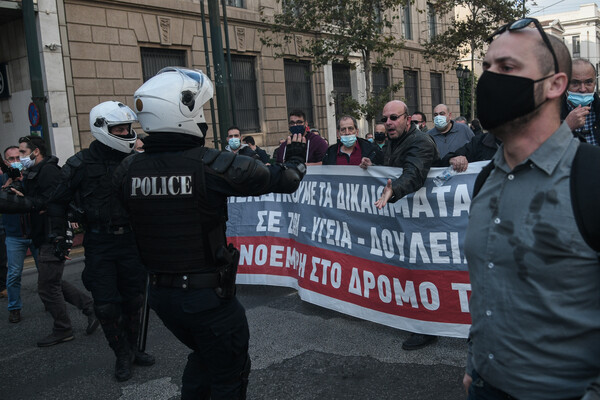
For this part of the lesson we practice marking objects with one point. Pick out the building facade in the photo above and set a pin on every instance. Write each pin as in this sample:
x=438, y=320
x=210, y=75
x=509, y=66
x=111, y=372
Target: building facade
x=93, y=51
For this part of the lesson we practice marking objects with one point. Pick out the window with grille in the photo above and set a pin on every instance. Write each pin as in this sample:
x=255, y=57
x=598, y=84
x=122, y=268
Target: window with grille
x=576, y=47
x=411, y=90
x=436, y=89
x=342, y=87
x=153, y=60
x=381, y=80
x=245, y=96
x=432, y=21
x=407, y=21
x=298, y=90
x=236, y=3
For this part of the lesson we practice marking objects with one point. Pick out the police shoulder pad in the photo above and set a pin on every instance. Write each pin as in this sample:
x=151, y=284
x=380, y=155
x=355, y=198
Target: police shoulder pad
x=222, y=162
x=209, y=156
x=76, y=160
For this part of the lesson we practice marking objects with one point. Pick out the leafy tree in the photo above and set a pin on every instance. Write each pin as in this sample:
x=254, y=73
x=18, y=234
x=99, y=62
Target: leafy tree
x=335, y=30
x=468, y=35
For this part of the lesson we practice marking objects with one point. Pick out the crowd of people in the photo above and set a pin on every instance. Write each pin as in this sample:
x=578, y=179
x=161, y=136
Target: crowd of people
x=154, y=221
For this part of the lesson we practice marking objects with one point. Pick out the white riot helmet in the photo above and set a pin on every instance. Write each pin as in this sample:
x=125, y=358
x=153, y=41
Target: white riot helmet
x=108, y=114
x=173, y=100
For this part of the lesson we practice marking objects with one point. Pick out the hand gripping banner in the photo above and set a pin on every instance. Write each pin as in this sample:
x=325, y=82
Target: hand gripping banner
x=402, y=266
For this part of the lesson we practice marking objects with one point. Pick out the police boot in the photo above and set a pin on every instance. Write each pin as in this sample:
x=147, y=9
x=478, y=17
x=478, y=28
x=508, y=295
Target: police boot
x=131, y=325
x=123, y=365
x=109, y=316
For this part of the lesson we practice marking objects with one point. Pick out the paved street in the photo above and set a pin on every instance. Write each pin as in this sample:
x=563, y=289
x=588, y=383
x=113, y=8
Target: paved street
x=299, y=351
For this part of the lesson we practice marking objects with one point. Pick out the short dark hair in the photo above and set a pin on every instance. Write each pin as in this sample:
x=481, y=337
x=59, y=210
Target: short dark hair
x=461, y=118
x=298, y=113
x=421, y=114
x=249, y=140
x=232, y=127
x=8, y=148
x=34, y=142
x=476, y=124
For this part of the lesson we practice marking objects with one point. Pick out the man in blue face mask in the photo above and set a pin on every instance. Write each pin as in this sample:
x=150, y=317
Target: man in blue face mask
x=581, y=106
x=235, y=145
x=351, y=149
x=448, y=135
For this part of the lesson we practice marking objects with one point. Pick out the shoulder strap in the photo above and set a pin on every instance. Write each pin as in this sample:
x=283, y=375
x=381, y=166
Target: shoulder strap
x=585, y=193
x=481, y=178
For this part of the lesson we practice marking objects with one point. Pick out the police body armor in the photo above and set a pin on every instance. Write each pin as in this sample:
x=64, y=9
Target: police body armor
x=95, y=198
x=178, y=231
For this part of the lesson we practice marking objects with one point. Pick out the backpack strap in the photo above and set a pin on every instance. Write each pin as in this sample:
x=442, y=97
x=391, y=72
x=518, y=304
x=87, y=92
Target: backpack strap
x=481, y=178
x=585, y=193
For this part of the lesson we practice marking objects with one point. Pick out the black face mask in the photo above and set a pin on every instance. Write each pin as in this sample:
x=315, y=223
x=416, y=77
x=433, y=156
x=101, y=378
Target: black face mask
x=502, y=98
x=379, y=136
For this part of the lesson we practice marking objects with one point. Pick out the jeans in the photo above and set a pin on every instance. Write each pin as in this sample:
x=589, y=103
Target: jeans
x=16, y=250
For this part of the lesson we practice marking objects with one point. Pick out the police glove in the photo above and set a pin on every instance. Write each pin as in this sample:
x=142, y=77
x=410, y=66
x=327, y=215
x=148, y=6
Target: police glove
x=62, y=248
x=296, y=151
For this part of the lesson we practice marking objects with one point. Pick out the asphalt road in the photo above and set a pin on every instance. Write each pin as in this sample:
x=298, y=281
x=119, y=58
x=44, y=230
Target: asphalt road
x=299, y=351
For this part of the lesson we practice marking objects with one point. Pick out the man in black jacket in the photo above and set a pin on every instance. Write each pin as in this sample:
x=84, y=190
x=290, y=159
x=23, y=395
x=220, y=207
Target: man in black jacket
x=39, y=181
x=415, y=152
x=480, y=148
x=407, y=148
x=113, y=272
x=351, y=149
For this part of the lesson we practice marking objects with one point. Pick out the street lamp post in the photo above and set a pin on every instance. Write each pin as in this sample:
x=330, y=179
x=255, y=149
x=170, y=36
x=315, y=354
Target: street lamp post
x=463, y=75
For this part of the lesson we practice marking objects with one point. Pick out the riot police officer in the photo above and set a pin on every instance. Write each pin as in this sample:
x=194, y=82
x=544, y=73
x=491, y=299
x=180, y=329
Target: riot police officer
x=113, y=271
x=176, y=193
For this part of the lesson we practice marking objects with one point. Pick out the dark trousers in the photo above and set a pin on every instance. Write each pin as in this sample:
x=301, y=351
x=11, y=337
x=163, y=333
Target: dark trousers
x=3, y=262
x=54, y=291
x=114, y=274
x=217, y=332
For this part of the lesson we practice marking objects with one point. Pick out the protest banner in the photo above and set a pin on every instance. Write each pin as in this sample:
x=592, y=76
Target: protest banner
x=401, y=266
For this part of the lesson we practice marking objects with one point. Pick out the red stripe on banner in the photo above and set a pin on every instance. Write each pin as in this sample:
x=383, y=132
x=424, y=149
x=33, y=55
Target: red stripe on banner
x=427, y=295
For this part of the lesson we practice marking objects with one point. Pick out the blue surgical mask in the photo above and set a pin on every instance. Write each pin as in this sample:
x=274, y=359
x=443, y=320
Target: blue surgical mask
x=297, y=129
x=234, y=143
x=348, y=140
x=580, y=99
x=440, y=121
x=27, y=161
x=370, y=140
x=17, y=165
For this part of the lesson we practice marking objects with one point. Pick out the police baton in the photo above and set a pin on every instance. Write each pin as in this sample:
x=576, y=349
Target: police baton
x=141, y=340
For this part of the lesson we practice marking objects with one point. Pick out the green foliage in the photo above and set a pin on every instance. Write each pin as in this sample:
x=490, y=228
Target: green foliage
x=468, y=35
x=336, y=30
x=373, y=106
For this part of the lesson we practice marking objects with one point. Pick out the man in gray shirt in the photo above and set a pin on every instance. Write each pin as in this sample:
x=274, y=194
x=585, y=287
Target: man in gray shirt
x=535, y=302
x=447, y=134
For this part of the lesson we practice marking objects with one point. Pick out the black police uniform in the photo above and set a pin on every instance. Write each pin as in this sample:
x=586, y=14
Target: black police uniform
x=113, y=270
x=176, y=193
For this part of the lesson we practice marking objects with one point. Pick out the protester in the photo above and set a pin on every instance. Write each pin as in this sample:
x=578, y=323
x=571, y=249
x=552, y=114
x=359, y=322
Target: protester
x=447, y=134
x=315, y=144
x=262, y=155
x=380, y=135
x=461, y=120
x=581, y=105
x=351, y=149
x=420, y=120
x=534, y=275
x=235, y=145
x=476, y=127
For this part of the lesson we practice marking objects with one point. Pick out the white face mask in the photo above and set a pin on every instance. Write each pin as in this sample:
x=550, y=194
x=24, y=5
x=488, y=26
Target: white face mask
x=440, y=121
x=27, y=161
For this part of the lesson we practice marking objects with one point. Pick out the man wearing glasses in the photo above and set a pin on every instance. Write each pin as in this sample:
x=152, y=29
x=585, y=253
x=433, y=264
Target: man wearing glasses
x=350, y=149
x=316, y=146
x=535, y=278
x=581, y=106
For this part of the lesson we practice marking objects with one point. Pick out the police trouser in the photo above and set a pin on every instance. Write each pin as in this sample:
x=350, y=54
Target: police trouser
x=217, y=331
x=54, y=291
x=115, y=276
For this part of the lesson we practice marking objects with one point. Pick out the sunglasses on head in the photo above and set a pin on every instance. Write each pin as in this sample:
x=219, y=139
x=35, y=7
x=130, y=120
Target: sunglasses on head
x=524, y=23
x=392, y=117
